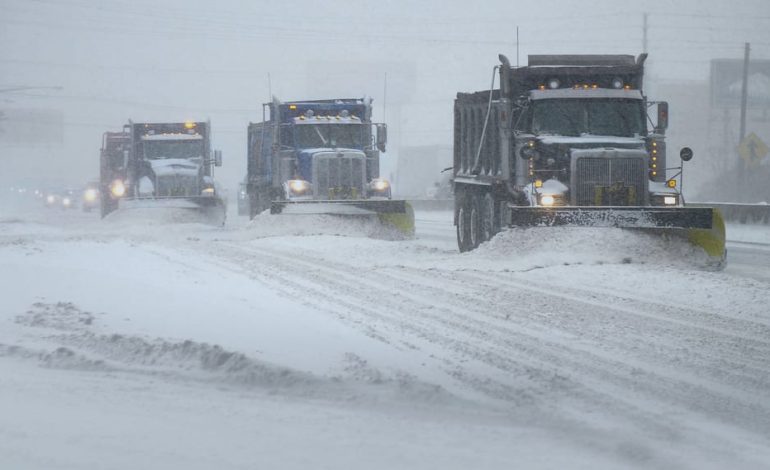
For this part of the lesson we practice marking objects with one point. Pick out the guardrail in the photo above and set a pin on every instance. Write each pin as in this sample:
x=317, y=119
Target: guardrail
x=432, y=204
x=741, y=213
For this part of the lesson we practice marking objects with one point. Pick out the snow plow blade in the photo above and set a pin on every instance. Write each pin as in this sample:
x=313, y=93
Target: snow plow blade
x=395, y=214
x=209, y=210
x=701, y=226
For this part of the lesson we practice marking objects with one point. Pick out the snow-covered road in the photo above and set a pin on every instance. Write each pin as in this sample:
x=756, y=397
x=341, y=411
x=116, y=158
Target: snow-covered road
x=281, y=344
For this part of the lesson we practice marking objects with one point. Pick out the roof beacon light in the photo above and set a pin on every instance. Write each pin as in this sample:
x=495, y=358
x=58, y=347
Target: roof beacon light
x=617, y=82
x=189, y=125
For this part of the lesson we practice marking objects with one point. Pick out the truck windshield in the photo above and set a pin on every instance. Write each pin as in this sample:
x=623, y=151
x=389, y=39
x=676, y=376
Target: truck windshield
x=162, y=149
x=329, y=135
x=575, y=117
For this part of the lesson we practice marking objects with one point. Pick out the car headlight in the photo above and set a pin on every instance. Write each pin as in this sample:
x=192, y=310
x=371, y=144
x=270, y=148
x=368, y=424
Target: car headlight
x=118, y=188
x=50, y=199
x=90, y=195
x=66, y=202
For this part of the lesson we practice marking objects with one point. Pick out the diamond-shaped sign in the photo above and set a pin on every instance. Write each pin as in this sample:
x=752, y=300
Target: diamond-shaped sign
x=752, y=149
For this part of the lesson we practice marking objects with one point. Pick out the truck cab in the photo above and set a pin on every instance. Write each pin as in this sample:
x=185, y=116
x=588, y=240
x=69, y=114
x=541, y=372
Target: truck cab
x=565, y=140
x=323, y=150
x=160, y=164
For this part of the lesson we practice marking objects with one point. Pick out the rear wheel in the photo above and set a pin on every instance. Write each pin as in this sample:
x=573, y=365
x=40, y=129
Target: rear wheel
x=487, y=222
x=464, y=223
x=475, y=222
x=254, y=208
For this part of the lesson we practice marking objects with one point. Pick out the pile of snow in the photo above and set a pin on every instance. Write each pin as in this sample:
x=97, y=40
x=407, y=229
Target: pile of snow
x=551, y=246
x=164, y=214
x=357, y=225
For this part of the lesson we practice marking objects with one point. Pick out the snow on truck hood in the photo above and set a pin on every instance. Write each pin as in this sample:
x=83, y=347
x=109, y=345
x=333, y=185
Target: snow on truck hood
x=172, y=137
x=330, y=149
x=590, y=139
x=345, y=151
x=176, y=166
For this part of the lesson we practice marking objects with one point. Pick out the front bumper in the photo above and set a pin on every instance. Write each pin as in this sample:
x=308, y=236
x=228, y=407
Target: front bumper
x=621, y=216
x=340, y=206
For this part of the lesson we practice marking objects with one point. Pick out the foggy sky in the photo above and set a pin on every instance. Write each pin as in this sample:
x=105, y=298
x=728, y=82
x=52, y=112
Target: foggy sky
x=176, y=60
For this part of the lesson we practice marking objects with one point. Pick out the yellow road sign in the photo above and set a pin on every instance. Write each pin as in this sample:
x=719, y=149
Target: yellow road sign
x=752, y=149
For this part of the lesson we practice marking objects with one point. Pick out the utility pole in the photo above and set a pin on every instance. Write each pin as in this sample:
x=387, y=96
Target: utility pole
x=384, y=97
x=744, y=91
x=744, y=98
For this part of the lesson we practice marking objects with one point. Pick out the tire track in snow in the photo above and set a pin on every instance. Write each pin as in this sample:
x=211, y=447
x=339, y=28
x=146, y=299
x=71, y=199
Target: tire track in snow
x=610, y=370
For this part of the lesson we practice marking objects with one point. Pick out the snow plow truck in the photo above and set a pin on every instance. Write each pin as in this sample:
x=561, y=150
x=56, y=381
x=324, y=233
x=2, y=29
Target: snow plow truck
x=322, y=157
x=565, y=141
x=161, y=166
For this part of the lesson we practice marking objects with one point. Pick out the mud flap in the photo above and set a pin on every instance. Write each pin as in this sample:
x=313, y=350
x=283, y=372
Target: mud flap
x=712, y=240
x=403, y=222
x=216, y=214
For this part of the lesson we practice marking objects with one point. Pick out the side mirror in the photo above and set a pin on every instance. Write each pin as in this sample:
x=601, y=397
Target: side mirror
x=217, y=158
x=662, y=117
x=382, y=136
x=686, y=154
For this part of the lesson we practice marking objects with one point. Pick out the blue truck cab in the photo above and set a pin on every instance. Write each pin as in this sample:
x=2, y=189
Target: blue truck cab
x=319, y=151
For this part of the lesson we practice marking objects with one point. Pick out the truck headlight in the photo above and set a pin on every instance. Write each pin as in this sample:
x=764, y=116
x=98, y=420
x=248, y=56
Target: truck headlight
x=379, y=185
x=547, y=200
x=207, y=192
x=118, y=188
x=298, y=187
x=50, y=199
x=669, y=200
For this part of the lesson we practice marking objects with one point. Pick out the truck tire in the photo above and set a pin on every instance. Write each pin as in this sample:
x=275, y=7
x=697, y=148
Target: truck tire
x=463, y=222
x=488, y=221
x=475, y=225
x=253, y=205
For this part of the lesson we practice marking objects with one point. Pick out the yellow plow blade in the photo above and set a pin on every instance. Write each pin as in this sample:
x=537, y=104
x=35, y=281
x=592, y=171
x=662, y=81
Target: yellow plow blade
x=711, y=240
x=403, y=222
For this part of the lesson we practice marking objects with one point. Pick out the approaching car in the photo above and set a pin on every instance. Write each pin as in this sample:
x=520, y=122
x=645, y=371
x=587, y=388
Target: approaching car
x=62, y=199
x=90, y=198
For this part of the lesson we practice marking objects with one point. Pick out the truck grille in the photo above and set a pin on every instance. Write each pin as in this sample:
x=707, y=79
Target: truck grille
x=609, y=178
x=177, y=186
x=339, y=177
